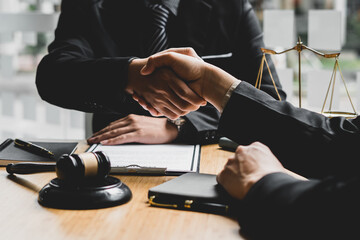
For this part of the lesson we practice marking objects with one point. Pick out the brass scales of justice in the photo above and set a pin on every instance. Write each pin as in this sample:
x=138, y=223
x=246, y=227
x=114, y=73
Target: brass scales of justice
x=299, y=48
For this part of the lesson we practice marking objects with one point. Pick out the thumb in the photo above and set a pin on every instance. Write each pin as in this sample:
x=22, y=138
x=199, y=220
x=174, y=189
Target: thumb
x=157, y=61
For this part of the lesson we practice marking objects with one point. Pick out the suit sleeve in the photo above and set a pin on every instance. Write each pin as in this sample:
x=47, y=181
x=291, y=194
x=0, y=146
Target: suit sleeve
x=246, y=41
x=304, y=141
x=279, y=206
x=71, y=75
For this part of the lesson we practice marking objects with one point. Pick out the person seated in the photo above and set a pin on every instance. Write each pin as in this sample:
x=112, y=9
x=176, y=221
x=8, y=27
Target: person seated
x=278, y=143
x=100, y=45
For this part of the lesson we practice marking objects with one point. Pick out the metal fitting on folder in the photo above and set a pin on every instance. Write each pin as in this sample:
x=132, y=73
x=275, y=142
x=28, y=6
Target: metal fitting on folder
x=151, y=201
x=188, y=203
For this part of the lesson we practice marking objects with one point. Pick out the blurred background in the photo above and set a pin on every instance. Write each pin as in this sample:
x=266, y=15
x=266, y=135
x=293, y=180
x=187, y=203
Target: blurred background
x=27, y=26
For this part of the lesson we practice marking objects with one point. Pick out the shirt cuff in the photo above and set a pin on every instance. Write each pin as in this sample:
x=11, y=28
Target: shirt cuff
x=228, y=93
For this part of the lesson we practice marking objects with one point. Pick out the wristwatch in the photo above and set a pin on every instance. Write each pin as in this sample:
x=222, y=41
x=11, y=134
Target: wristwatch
x=178, y=122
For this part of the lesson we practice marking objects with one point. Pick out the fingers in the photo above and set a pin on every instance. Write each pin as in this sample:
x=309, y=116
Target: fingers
x=128, y=137
x=181, y=99
x=157, y=61
x=176, y=61
x=172, y=114
x=186, y=51
x=166, y=94
x=146, y=105
x=180, y=88
x=110, y=132
x=165, y=58
x=221, y=176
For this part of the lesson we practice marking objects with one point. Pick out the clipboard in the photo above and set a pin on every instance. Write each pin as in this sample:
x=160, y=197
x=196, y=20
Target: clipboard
x=151, y=159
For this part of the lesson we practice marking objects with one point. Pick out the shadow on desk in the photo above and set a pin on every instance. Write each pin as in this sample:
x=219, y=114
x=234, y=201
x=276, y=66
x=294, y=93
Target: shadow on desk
x=25, y=183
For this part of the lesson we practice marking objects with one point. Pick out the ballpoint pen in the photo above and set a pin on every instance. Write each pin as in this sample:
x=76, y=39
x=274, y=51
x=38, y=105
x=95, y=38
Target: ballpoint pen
x=33, y=148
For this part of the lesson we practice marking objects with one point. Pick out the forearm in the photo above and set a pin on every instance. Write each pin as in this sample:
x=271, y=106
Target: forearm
x=281, y=206
x=305, y=142
x=216, y=85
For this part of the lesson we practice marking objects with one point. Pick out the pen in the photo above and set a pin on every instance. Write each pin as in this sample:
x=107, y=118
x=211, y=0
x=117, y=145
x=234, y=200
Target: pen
x=33, y=148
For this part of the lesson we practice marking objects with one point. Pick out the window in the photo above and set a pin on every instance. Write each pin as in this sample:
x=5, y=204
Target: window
x=26, y=29
x=315, y=70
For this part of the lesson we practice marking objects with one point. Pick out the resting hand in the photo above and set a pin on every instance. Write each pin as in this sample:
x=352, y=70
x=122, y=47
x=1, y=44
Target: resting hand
x=164, y=90
x=248, y=166
x=136, y=128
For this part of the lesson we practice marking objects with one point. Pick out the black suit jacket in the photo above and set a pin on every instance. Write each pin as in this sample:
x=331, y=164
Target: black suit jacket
x=322, y=149
x=87, y=64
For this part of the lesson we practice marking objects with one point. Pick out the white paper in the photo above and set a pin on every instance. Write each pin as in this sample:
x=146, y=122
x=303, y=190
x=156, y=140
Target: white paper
x=173, y=157
x=279, y=28
x=324, y=30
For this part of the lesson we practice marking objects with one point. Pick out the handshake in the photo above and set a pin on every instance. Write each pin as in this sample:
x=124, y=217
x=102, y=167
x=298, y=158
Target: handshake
x=177, y=81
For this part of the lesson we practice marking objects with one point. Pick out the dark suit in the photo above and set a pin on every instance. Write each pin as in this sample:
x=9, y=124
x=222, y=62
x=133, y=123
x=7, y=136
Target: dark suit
x=87, y=65
x=322, y=149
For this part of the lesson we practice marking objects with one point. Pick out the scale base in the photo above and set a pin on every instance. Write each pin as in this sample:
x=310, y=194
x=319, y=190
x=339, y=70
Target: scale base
x=104, y=193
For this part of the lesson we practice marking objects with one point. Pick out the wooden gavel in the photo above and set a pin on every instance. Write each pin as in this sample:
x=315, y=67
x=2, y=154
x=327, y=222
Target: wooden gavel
x=74, y=168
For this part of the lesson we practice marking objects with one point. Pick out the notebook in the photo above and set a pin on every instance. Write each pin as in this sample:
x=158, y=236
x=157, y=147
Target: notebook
x=151, y=159
x=9, y=153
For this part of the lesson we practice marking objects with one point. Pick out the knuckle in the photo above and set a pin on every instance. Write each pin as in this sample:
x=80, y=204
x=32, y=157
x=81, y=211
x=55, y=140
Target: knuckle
x=190, y=50
x=114, y=132
x=150, y=59
x=132, y=117
x=239, y=149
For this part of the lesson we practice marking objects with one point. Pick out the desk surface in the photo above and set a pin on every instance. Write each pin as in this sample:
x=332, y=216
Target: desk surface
x=22, y=217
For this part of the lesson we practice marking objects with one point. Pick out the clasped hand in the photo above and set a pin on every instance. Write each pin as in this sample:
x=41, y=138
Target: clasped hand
x=165, y=91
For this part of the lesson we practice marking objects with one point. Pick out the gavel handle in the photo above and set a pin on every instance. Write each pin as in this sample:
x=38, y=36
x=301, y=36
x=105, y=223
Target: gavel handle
x=29, y=168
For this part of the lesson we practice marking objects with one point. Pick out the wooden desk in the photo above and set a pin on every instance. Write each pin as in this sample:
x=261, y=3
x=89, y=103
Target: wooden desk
x=22, y=217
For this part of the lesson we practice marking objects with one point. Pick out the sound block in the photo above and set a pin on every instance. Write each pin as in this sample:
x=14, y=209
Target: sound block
x=103, y=193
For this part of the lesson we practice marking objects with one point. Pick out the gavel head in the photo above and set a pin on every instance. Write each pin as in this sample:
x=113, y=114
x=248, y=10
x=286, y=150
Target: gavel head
x=78, y=168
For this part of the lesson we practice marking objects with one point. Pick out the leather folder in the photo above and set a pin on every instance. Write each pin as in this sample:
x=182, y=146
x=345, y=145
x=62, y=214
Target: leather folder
x=9, y=153
x=194, y=192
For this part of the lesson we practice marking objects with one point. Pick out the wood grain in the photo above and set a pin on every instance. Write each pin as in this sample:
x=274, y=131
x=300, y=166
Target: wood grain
x=22, y=217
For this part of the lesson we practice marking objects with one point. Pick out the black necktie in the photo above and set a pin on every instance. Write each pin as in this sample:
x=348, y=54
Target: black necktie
x=158, y=40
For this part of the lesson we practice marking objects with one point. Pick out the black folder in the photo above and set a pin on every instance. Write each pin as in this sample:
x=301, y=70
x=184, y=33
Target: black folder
x=9, y=153
x=194, y=192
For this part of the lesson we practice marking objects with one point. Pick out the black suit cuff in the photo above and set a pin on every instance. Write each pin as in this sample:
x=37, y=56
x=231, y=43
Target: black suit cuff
x=271, y=202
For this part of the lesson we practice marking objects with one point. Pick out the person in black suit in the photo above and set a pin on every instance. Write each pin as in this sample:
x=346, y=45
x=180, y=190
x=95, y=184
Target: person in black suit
x=277, y=202
x=100, y=45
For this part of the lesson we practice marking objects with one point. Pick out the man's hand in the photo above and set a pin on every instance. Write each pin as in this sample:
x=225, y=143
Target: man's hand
x=209, y=82
x=248, y=166
x=136, y=128
x=163, y=90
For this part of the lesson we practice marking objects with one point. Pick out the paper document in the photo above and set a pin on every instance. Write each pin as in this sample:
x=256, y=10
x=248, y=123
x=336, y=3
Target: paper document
x=170, y=159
